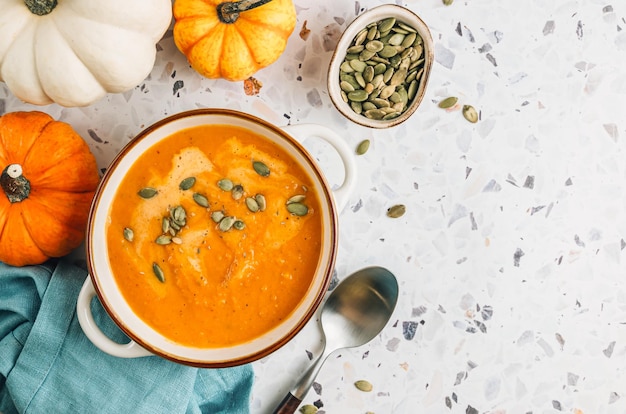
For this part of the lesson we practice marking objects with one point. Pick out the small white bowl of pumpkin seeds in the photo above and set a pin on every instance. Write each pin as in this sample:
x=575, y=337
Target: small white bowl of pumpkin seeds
x=380, y=68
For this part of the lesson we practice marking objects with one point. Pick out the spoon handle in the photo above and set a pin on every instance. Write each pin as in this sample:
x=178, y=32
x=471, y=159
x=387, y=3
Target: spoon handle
x=288, y=405
x=292, y=400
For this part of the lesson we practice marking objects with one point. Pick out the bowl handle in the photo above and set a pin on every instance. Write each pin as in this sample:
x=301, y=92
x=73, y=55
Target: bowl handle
x=344, y=191
x=87, y=322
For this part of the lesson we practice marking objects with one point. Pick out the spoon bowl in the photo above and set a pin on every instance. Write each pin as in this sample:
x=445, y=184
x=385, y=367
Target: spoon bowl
x=354, y=313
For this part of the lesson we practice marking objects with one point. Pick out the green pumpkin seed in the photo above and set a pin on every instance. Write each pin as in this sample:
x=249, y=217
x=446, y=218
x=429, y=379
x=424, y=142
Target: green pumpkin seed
x=158, y=272
x=375, y=46
x=448, y=2
x=217, y=216
x=147, y=192
x=355, y=49
x=239, y=225
x=260, y=199
x=308, y=409
x=360, y=37
x=165, y=225
x=388, y=51
x=406, y=27
x=177, y=240
x=357, y=96
x=409, y=39
x=129, y=234
x=368, y=74
x=386, y=24
x=469, y=112
x=346, y=86
x=201, y=199
x=412, y=90
x=237, y=192
x=178, y=214
x=363, y=147
x=261, y=169
x=297, y=209
x=376, y=114
x=364, y=56
x=163, y=240
x=187, y=183
x=448, y=102
x=252, y=204
x=396, y=39
x=346, y=67
x=396, y=211
x=363, y=385
x=225, y=184
x=357, y=107
x=227, y=223
x=298, y=198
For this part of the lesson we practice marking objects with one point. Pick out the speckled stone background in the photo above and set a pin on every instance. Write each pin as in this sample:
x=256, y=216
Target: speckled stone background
x=511, y=255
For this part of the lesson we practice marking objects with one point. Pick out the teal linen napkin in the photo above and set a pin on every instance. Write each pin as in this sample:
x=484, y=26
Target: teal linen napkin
x=47, y=364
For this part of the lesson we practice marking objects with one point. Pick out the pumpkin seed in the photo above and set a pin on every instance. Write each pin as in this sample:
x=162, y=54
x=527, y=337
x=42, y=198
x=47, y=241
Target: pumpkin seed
x=163, y=240
x=298, y=198
x=363, y=147
x=363, y=385
x=165, y=225
x=386, y=24
x=396, y=211
x=147, y=192
x=201, y=199
x=227, y=223
x=346, y=86
x=175, y=227
x=158, y=272
x=308, y=409
x=129, y=234
x=357, y=96
x=447, y=2
x=217, y=216
x=469, y=112
x=179, y=215
x=261, y=169
x=449, y=102
x=252, y=204
x=177, y=240
x=260, y=199
x=297, y=209
x=239, y=225
x=187, y=183
x=225, y=184
x=237, y=192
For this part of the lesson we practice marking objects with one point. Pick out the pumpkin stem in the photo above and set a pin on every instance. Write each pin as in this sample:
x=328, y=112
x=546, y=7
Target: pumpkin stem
x=40, y=7
x=15, y=185
x=228, y=12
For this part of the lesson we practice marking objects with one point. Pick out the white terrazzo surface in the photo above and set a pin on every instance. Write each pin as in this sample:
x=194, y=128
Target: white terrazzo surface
x=511, y=257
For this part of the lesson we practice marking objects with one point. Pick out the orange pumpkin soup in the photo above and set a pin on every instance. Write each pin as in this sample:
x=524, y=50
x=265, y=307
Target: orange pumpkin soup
x=214, y=236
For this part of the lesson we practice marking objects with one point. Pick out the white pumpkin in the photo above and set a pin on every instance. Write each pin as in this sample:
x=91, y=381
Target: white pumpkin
x=73, y=52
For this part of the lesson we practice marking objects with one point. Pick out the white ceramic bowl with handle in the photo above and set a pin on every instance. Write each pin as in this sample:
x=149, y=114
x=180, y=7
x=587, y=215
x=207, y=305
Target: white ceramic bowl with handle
x=144, y=339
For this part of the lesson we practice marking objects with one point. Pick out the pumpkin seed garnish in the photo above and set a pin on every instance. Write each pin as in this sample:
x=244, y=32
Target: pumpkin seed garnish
x=177, y=240
x=187, y=183
x=260, y=199
x=165, y=225
x=447, y=2
x=217, y=216
x=298, y=198
x=363, y=385
x=179, y=215
x=448, y=102
x=396, y=211
x=147, y=192
x=252, y=204
x=201, y=199
x=226, y=223
x=129, y=234
x=158, y=272
x=237, y=192
x=225, y=184
x=469, y=112
x=163, y=240
x=297, y=209
x=363, y=147
x=261, y=169
x=239, y=225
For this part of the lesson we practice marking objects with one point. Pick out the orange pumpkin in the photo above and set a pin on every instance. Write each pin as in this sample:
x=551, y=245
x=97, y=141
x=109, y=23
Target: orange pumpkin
x=48, y=179
x=232, y=40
